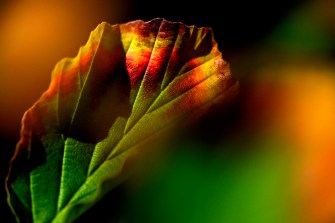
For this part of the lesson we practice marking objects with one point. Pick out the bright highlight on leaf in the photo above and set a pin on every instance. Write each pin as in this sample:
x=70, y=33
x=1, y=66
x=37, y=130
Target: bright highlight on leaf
x=129, y=83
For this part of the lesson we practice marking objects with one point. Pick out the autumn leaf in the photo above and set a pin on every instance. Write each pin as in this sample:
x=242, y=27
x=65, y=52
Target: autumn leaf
x=129, y=83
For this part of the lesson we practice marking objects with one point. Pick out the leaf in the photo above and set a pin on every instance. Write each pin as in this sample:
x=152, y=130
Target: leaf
x=129, y=83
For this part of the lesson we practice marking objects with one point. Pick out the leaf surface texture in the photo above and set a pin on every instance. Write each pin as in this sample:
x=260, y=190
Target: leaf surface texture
x=127, y=84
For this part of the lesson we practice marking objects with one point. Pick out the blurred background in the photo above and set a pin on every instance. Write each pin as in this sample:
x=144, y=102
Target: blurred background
x=267, y=157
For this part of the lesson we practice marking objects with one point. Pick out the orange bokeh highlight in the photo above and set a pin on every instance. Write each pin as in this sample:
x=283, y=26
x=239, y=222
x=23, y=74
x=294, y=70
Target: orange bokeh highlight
x=296, y=103
x=35, y=35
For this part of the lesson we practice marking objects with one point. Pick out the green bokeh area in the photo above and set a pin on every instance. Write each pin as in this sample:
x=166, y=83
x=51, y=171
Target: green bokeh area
x=197, y=186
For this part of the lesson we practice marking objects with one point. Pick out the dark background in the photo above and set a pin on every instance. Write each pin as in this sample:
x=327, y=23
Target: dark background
x=237, y=25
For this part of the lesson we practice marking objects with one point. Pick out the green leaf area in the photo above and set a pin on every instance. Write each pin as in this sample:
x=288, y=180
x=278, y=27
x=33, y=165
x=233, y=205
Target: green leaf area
x=128, y=84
